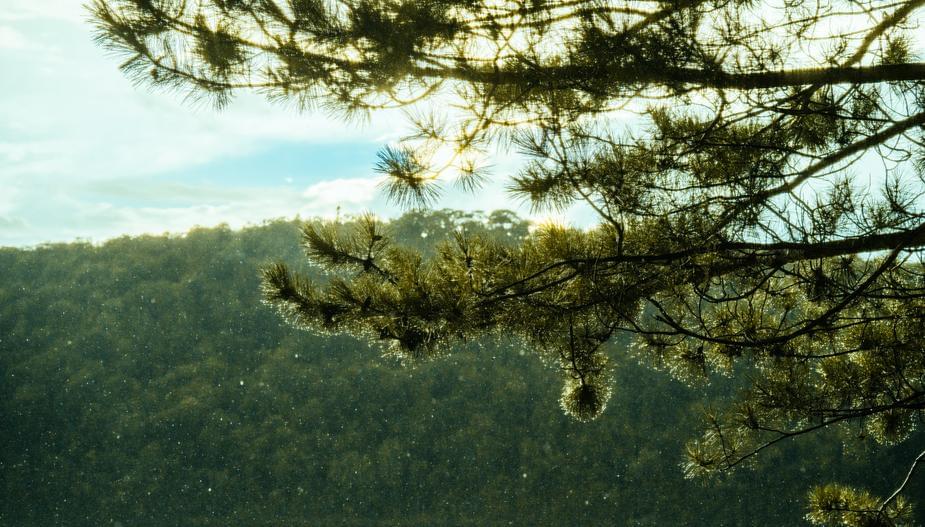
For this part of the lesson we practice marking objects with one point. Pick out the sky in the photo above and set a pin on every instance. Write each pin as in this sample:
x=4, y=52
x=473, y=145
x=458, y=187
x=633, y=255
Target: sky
x=85, y=154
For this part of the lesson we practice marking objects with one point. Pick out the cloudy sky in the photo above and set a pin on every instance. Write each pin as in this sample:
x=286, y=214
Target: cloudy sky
x=85, y=154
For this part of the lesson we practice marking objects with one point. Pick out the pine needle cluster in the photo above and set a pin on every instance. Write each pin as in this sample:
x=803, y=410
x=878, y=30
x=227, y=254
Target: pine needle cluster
x=757, y=168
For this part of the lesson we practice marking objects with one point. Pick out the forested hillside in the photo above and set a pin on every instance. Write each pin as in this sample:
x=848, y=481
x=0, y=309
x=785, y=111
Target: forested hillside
x=144, y=383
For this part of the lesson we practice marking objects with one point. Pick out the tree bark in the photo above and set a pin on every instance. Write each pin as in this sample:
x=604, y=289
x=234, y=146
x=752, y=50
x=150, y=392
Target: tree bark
x=566, y=77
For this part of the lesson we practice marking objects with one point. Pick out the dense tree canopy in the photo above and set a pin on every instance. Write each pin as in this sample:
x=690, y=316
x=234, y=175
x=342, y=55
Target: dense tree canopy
x=761, y=214
x=144, y=384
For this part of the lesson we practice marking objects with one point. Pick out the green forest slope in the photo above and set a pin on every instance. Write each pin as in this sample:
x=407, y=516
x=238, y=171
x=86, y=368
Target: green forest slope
x=143, y=383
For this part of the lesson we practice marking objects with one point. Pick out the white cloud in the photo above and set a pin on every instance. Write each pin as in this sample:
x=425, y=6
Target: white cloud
x=102, y=210
x=340, y=192
x=9, y=200
x=10, y=38
x=70, y=117
x=11, y=223
x=82, y=149
x=19, y=10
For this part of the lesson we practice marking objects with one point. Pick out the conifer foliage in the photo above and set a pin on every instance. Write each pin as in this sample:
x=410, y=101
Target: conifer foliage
x=762, y=211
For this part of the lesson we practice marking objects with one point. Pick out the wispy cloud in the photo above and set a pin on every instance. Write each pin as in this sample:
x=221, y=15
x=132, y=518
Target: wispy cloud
x=341, y=192
x=11, y=224
x=10, y=38
x=83, y=150
x=99, y=210
x=18, y=10
x=84, y=153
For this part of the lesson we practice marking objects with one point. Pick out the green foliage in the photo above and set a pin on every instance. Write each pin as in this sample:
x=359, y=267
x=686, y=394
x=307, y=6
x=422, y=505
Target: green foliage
x=837, y=505
x=755, y=168
x=585, y=400
x=144, y=384
x=408, y=183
